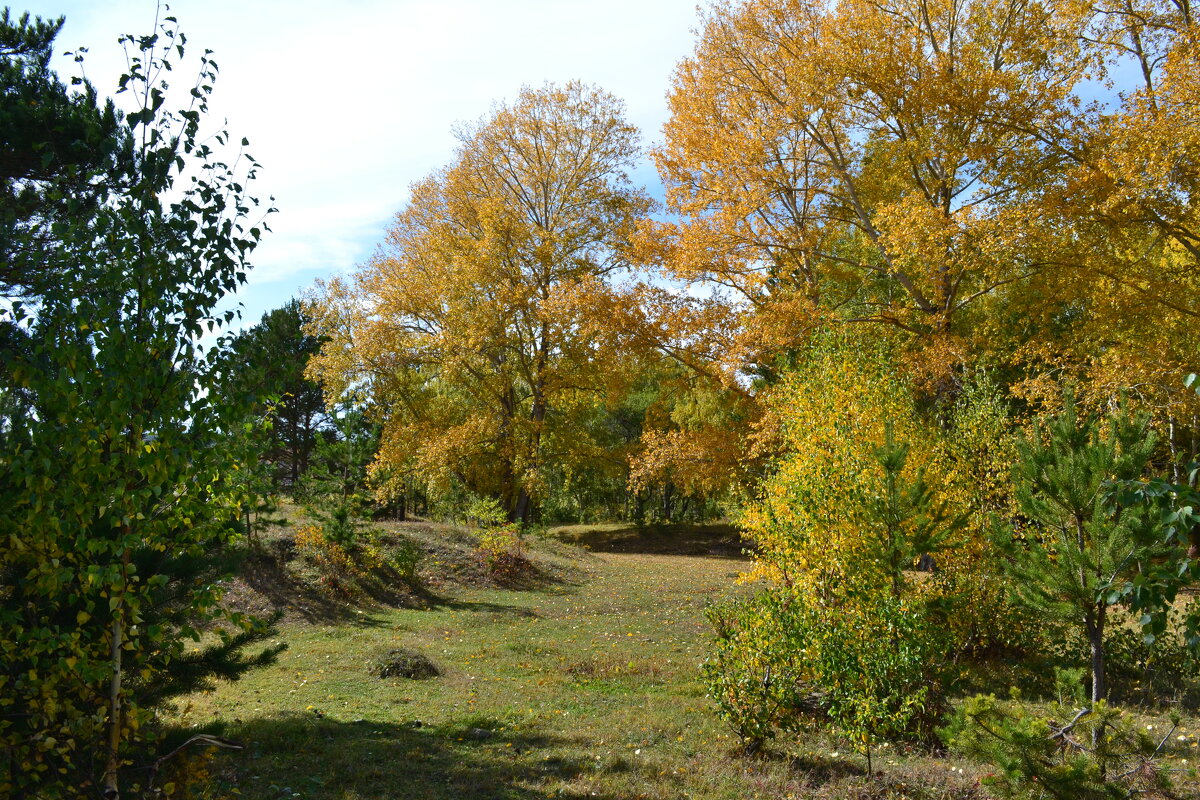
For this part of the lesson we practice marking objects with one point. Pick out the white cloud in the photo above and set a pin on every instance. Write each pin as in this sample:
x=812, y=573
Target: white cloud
x=346, y=104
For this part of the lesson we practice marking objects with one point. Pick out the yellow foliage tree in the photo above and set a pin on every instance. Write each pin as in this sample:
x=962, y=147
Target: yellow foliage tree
x=466, y=329
x=855, y=160
x=864, y=488
x=1117, y=304
x=933, y=168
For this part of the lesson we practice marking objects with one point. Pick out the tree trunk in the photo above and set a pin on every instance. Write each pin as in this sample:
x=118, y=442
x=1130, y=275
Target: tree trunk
x=1096, y=641
x=1176, y=467
x=112, y=789
x=521, y=510
x=1094, y=623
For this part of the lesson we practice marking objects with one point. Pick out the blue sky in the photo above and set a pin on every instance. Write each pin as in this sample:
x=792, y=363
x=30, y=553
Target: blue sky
x=346, y=104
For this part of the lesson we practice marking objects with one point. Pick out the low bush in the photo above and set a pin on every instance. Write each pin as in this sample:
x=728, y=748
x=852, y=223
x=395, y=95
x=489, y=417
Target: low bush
x=755, y=671
x=349, y=570
x=1064, y=749
x=502, y=551
x=874, y=670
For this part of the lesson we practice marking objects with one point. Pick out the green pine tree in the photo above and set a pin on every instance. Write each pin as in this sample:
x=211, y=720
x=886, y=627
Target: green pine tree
x=905, y=518
x=63, y=151
x=1078, y=550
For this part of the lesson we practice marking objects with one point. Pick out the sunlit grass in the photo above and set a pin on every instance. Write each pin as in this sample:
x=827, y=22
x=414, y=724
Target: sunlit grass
x=586, y=686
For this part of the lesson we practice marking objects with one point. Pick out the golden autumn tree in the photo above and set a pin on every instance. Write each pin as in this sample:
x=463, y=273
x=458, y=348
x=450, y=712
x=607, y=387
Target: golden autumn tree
x=857, y=159
x=993, y=180
x=465, y=331
x=848, y=162
x=1117, y=304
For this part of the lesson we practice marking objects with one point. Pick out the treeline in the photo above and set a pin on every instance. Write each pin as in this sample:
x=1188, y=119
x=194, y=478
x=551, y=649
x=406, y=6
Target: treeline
x=984, y=187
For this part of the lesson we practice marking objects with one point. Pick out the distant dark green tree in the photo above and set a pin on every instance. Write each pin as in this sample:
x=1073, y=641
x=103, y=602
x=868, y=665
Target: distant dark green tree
x=334, y=489
x=266, y=367
x=115, y=475
x=61, y=151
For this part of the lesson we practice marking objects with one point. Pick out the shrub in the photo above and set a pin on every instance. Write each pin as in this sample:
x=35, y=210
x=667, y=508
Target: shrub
x=856, y=500
x=754, y=672
x=1150, y=672
x=502, y=550
x=1066, y=749
x=881, y=670
x=405, y=557
x=874, y=670
x=337, y=569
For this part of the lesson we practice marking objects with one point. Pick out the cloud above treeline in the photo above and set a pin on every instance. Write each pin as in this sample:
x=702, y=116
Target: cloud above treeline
x=346, y=104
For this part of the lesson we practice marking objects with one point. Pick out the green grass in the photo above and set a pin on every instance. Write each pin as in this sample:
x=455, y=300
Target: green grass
x=582, y=684
x=583, y=687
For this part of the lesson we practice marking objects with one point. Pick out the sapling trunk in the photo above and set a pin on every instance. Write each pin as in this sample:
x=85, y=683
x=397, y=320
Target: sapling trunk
x=112, y=789
x=1094, y=623
x=1096, y=641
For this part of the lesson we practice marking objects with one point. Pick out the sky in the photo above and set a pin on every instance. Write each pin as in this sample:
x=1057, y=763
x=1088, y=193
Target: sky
x=346, y=104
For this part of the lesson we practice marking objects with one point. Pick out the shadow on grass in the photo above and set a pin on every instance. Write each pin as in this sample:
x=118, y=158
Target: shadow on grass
x=719, y=539
x=440, y=602
x=265, y=573
x=1171, y=682
x=314, y=758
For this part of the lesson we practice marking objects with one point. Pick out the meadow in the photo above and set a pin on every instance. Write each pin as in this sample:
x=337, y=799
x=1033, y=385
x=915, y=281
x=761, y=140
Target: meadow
x=578, y=679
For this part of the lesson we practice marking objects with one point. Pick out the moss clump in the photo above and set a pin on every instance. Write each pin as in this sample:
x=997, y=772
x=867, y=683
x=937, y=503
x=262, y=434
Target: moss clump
x=402, y=663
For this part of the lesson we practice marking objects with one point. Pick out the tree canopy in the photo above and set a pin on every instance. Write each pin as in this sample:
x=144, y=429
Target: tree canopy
x=465, y=329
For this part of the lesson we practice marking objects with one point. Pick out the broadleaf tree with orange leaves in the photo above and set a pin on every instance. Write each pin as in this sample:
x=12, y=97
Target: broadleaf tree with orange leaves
x=468, y=332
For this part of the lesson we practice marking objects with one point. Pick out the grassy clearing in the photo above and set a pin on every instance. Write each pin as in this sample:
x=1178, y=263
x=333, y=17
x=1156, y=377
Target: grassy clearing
x=581, y=682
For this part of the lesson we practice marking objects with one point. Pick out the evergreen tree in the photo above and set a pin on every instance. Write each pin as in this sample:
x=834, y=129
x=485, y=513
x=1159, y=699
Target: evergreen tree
x=60, y=152
x=266, y=367
x=1079, y=550
x=904, y=519
x=334, y=489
